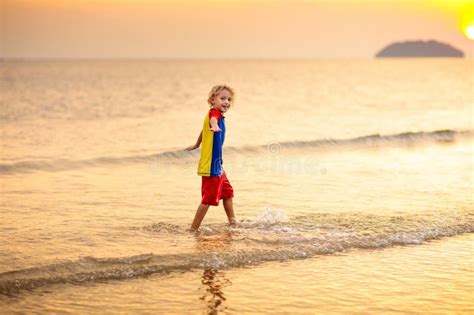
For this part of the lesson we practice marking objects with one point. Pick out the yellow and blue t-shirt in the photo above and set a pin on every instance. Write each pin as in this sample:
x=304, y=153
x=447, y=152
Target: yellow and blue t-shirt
x=210, y=163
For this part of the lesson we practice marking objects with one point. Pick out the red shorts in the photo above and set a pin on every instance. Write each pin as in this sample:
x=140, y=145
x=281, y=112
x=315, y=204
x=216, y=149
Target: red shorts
x=215, y=188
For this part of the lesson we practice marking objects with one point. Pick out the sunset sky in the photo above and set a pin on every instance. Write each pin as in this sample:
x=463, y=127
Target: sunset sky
x=226, y=28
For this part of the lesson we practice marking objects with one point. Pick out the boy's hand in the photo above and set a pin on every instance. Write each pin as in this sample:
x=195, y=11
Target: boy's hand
x=192, y=147
x=214, y=125
x=215, y=128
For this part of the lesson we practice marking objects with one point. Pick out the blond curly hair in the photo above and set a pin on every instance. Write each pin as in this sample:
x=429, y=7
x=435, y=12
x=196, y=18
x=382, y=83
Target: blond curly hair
x=217, y=89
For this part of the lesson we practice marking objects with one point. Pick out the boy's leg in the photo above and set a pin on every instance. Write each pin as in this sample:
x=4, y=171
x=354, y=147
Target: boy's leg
x=200, y=213
x=229, y=210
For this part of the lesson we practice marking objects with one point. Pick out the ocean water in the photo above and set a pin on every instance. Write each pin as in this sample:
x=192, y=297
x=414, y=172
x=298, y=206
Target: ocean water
x=353, y=187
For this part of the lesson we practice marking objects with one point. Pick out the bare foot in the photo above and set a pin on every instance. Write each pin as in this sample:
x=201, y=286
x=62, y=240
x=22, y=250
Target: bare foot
x=192, y=230
x=232, y=221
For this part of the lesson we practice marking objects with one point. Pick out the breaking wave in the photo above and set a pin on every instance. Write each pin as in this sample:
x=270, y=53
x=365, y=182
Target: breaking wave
x=364, y=141
x=271, y=236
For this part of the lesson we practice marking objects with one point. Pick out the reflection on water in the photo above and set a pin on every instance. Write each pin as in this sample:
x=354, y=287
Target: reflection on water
x=220, y=242
x=212, y=279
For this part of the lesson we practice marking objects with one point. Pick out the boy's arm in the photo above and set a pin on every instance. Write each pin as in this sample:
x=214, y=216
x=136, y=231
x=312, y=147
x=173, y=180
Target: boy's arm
x=198, y=143
x=214, y=126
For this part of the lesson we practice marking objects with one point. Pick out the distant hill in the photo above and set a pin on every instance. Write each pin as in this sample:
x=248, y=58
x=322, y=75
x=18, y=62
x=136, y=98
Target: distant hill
x=419, y=48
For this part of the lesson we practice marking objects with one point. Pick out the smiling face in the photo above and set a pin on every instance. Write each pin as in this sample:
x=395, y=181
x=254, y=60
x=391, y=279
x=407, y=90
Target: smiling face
x=222, y=101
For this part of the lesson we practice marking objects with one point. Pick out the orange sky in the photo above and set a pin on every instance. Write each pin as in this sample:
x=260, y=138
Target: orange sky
x=224, y=28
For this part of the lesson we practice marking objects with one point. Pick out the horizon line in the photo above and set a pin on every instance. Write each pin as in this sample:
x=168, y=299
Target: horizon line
x=6, y=59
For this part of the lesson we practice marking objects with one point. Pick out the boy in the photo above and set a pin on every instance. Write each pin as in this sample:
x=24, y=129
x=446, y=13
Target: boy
x=215, y=185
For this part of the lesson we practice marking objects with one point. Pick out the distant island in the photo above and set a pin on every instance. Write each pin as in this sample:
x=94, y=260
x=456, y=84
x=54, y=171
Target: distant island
x=420, y=48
